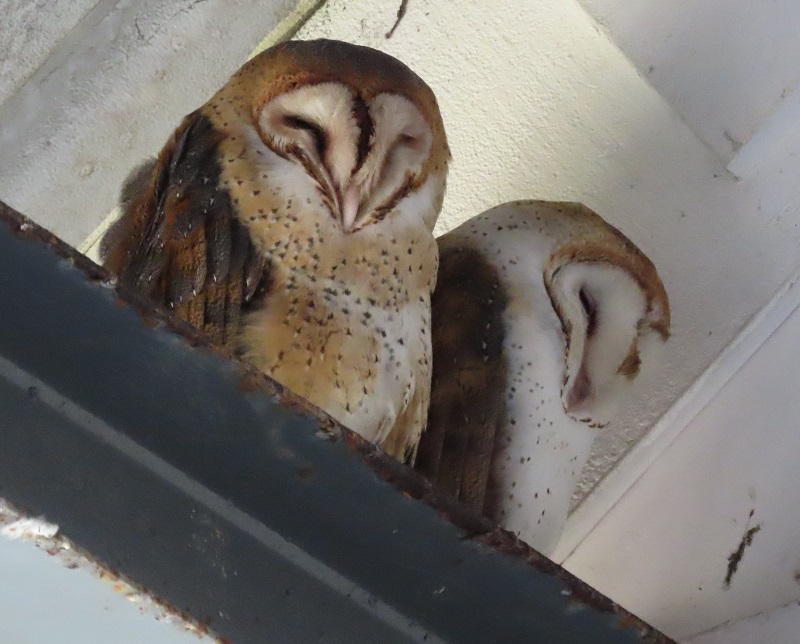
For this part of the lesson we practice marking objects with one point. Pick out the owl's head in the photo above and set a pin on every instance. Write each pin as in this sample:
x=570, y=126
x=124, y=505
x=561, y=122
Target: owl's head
x=613, y=308
x=358, y=124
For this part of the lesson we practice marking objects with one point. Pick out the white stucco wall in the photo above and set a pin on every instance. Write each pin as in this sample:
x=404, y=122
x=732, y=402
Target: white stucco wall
x=111, y=94
x=31, y=30
x=727, y=66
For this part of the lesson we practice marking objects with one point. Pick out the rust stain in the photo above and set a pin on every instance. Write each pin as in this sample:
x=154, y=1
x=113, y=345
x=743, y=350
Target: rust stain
x=735, y=558
x=404, y=479
x=251, y=382
x=305, y=473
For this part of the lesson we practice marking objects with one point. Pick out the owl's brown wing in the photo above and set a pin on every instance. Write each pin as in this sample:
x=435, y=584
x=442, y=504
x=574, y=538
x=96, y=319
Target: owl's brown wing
x=178, y=240
x=469, y=386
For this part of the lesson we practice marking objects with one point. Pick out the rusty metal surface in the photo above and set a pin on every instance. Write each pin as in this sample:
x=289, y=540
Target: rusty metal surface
x=235, y=500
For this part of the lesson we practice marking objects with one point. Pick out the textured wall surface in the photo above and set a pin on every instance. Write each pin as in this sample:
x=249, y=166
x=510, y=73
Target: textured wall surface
x=774, y=627
x=538, y=102
x=727, y=66
x=110, y=94
x=30, y=31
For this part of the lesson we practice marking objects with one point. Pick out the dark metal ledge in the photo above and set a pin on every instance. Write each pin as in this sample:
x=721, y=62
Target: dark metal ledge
x=234, y=500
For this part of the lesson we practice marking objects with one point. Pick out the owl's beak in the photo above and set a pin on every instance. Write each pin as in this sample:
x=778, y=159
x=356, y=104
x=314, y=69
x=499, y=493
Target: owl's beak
x=579, y=396
x=351, y=200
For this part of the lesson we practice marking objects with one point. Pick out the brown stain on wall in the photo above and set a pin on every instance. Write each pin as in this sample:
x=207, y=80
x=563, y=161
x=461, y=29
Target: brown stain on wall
x=735, y=558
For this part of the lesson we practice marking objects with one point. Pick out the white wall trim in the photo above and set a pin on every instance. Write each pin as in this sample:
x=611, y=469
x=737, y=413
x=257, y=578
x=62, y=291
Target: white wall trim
x=770, y=626
x=633, y=466
x=782, y=129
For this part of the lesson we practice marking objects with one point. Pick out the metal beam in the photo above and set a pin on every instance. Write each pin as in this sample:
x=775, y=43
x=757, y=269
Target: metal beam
x=234, y=500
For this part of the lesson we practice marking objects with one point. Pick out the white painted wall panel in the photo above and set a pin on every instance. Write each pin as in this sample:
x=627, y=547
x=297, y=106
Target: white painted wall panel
x=43, y=600
x=779, y=626
x=30, y=31
x=664, y=551
x=111, y=94
x=725, y=65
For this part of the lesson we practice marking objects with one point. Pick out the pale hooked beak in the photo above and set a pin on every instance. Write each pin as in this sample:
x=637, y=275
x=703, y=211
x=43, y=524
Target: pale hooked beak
x=579, y=395
x=350, y=202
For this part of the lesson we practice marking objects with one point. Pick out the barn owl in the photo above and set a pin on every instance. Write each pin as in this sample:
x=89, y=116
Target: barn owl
x=291, y=218
x=542, y=317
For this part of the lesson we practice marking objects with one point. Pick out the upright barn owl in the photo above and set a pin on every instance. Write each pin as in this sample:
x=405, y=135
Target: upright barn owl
x=542, y=317
x=291, y=217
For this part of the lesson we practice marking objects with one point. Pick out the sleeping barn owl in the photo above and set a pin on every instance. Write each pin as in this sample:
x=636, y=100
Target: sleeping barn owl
x=542, y=317
x=291, y=218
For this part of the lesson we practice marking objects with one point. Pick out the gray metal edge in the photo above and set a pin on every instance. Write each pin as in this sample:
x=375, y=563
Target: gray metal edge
x=235, y=501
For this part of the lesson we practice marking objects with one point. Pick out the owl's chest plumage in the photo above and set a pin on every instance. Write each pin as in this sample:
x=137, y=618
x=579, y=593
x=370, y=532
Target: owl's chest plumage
x=345, y=321
x=361, y=363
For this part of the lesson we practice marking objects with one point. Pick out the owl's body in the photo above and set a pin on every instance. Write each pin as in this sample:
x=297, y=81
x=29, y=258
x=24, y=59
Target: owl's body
x=349, y=335
x=291, y=217
x=542, y=315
